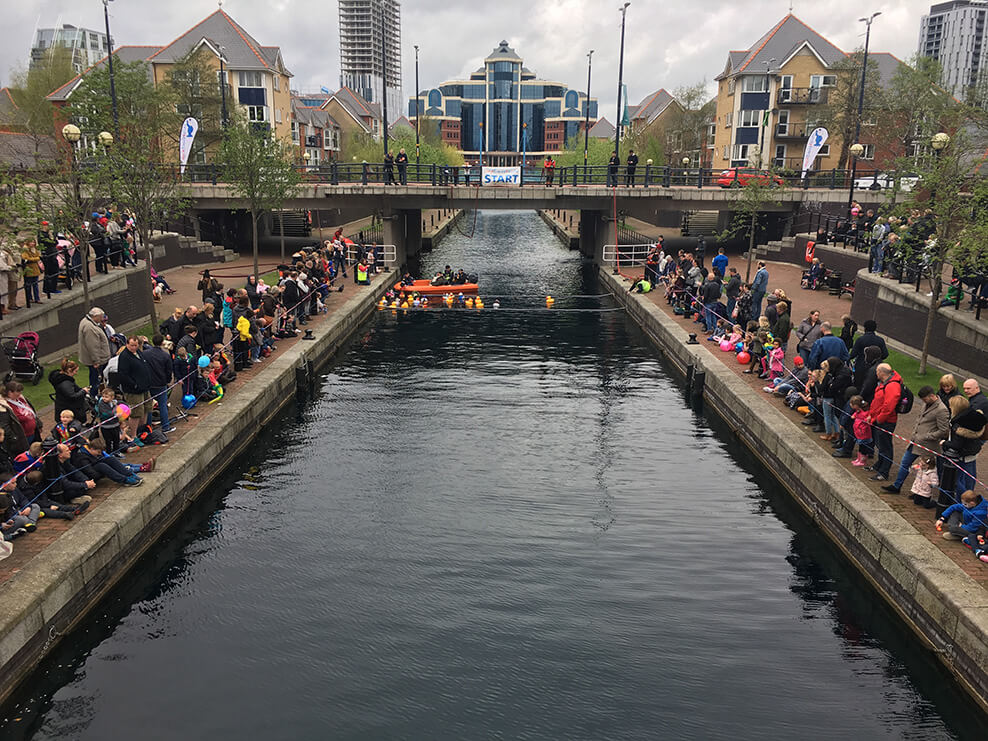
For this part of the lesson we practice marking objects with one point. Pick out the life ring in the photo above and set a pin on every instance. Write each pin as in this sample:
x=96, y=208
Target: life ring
x=810, y=247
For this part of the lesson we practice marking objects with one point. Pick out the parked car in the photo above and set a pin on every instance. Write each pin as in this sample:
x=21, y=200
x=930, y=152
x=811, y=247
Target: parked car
x=885, y=181
x=741, y=176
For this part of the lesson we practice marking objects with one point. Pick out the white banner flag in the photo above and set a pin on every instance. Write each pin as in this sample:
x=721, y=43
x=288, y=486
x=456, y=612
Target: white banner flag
x=189, y=129
x=818, y=137
x=501, y=176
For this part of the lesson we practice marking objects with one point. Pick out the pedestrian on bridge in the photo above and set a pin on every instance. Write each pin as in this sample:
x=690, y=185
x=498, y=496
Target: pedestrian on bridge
x=632, y=166
x=402, y=162
x=612, y=170
x=389, y=169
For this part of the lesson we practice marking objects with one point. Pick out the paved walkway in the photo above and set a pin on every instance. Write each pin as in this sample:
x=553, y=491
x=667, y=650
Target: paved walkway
x=183, y=280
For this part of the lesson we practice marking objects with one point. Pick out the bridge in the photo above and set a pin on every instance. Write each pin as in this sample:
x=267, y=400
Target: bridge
x=401, y=206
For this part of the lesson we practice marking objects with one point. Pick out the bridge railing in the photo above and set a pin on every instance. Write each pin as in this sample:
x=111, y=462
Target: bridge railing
x=866, y=181
x=625, y=255
x=385, y=254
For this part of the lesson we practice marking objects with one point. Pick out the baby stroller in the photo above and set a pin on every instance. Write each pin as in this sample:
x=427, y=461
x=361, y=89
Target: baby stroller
x=22, y=355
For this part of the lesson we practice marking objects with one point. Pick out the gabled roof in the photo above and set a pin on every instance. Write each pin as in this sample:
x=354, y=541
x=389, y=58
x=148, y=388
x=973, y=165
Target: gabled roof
x=503, y=53
x=314, y=116
x=652, y=107
x=776, y=46
x=603, y=129
x=347, y=100
x=123, y=54
x=240, y=49
x=401, y=123
x=888, y=65
x=356, y=104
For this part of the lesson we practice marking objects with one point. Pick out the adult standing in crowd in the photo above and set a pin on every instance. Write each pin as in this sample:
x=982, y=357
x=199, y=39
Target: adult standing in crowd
x=68, y=395
x=710, y=296
x=94, y=347
x=10, y=258
x=884, y=415
x=868, y=338
x=134, y=375
x=963, y=443
x=612, y=170
x=807, y=333
x=159, y=362
x=720, y=259
x=18, y=419
x=931, y=427
x=783, y=326
x=826, y=346
x=759, y=287
x=732, y=290
x=948, y=388
x=978, y=401
x=865, y=372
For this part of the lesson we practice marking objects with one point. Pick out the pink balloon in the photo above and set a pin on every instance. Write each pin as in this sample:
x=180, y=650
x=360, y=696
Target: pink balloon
x=726, y=346
x=123, y=411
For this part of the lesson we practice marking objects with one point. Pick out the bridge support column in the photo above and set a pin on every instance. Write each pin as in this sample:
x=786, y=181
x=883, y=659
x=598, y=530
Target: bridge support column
x=596, y=230
x=403, y=229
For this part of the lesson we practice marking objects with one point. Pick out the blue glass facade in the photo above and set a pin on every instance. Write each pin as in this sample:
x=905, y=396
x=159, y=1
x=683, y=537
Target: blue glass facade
x=503, y=94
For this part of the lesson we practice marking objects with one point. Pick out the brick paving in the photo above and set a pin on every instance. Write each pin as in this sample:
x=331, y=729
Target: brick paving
x=183, y=280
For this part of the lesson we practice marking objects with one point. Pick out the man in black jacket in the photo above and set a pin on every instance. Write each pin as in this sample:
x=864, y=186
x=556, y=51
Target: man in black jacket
x=710, y=296
x=159, y=362
x=134, y=376
x=612, y=170
x=632, y=165
x=868, y=339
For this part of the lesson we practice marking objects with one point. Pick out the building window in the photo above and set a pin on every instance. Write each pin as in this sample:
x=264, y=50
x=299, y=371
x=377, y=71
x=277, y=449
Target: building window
x=754, y=84
x=730, y=86
x=740, y=152
x=295, y=131
x=785, y=88
x=823, y=80
x=250, y=79
x=869, y=152
x=257, y=113
x=750, y=118
x=824, y=151
x=729, y=119
x=277, y=115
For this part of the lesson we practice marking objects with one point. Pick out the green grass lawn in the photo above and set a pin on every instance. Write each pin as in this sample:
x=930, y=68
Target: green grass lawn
x=908, y=368
x=270, y=279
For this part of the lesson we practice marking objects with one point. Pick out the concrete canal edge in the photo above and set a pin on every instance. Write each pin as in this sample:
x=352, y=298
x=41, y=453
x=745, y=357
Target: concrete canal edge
x=56, y=589
x=941, y=603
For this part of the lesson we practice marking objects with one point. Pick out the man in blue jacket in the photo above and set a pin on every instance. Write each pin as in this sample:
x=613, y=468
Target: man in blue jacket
x=826, y=346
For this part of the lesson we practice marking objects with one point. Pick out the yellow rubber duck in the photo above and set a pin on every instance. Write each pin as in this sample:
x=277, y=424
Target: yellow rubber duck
x=549, y=301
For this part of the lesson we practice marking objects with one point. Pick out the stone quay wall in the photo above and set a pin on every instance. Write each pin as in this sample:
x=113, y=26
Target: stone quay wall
x=940, y=603
x=56, y=589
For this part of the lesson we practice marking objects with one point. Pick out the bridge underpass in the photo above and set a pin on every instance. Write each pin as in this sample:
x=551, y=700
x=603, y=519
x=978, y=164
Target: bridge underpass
x=400, y=207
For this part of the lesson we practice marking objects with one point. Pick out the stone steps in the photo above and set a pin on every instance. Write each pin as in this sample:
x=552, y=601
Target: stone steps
x=774, y=247
x=217, y=251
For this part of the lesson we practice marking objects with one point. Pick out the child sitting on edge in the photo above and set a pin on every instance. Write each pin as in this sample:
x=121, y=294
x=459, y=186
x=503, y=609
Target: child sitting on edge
x=756, y=349
x=966, y=520
x=776, y=363
x=736, y=335
x=926, y=482
x=19, y=517
x=861, y=428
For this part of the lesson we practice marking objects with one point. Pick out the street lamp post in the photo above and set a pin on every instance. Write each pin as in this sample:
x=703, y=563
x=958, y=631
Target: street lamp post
x=617, y=133
x=524, y=149
x=861, y=94
x=418, y=113
x=223, y=86
x=109, y=46
x=586, y=122
x=72, y=134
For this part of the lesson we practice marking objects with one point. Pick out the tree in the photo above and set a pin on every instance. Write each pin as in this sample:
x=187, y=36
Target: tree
x=839, y=115
x=136, y=170
x=30, y=88
x=195, y=91
x=953, y=225
x=260, y=169
x=357, y=147
x=598, y=156
x=687, y=121
x=748, y=209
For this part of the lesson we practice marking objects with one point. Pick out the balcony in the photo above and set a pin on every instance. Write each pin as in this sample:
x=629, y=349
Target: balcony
x=793, y=131
x=802, y=95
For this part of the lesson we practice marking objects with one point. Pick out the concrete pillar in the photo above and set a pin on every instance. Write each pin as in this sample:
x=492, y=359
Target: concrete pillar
x=403, y=229
x=596, y=230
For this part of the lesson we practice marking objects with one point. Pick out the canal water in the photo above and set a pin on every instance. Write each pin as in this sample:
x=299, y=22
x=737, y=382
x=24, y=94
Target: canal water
x=498, y=524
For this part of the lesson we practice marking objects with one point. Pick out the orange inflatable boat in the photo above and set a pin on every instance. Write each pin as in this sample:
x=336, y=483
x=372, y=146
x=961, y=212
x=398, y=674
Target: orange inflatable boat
x=427, y=289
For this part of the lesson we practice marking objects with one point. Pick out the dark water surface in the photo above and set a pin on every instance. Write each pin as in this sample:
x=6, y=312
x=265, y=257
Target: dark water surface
x=494, y=525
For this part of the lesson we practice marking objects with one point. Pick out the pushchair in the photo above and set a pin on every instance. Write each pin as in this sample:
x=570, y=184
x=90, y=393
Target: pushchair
x=22, y=355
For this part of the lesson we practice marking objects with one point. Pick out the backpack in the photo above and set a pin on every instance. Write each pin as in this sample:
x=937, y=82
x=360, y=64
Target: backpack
x=905, y=404
x=150, y=436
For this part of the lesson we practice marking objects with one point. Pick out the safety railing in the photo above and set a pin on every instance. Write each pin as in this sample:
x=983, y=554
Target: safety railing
x=618, y=255
x=385, y=254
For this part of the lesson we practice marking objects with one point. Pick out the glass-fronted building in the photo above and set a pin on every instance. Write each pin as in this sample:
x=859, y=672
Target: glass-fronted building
x=504, y=111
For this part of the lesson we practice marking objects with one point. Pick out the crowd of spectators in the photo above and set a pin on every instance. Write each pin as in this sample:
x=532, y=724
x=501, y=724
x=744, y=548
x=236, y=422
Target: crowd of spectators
x=844, y=386
x=139, y=388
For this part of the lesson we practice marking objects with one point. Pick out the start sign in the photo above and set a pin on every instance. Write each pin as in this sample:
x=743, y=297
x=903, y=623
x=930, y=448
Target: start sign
x=501, y=176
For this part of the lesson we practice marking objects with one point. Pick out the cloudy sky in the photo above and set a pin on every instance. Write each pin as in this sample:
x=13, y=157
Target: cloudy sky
x=669, y=42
